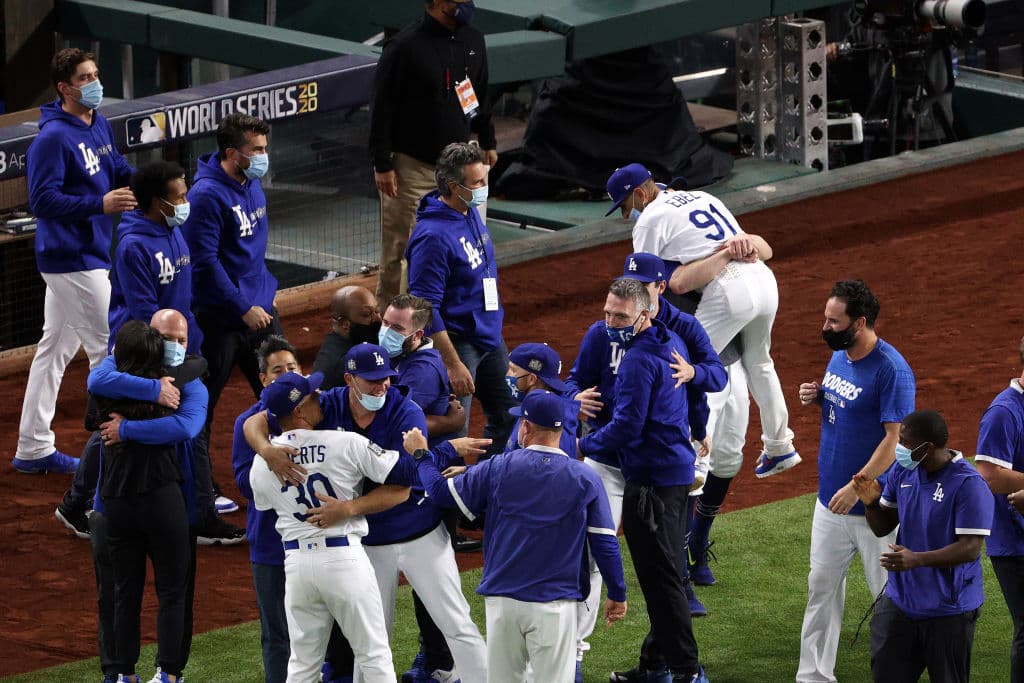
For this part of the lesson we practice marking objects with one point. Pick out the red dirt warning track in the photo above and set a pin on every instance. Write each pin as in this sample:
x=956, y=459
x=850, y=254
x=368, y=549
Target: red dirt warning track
x=941, y=250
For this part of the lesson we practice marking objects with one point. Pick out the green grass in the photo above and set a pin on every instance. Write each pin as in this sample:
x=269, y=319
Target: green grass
x=751, y=634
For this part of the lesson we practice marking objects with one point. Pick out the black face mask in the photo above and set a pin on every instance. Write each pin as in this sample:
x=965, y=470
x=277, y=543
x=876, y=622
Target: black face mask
x=839, y=341
x=358, y=333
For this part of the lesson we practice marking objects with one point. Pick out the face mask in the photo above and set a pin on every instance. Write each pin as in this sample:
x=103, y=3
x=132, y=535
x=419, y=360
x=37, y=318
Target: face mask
x=359, y=333
x=622, y=335
x=463, y=14
x=258, y=166
x=839, y=341
x=371, y=402
x=905, y=456
x=392, y=341
x=181, y=212
x=513, y=388
x=634, y=215
x=92, y=94
x=479, y=195
x=174, y=353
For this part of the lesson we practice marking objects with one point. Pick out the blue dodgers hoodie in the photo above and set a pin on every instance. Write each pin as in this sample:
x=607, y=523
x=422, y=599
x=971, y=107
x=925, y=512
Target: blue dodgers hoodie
x=226, y=232
x=649, y=427
x=71, y=165
x=152, y=270
x=450, y=255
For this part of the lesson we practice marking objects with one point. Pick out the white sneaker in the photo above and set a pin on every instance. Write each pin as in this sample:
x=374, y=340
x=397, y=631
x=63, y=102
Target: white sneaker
x=224, y=505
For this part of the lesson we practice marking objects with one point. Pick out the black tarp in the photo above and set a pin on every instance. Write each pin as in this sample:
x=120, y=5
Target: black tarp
x=604, y=113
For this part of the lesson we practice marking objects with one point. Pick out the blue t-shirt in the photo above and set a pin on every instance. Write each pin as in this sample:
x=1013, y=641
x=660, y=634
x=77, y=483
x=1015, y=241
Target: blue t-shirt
x=934, y=509
x=544, y=510
x=424, y=374
x=858, y=399
x=260, y=525
x=1001, y=442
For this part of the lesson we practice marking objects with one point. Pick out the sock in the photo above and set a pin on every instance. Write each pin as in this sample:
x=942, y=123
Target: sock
x=708, y=504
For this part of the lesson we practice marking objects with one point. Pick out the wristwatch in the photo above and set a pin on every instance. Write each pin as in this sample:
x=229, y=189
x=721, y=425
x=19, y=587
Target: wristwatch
x=419, y=454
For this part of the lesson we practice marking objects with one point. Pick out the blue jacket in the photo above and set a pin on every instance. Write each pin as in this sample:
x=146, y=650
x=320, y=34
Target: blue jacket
x=417, y=515
x=71, y=166
x=179, y=429
x=649, y=427
x=597, y=364
x=226, y=234
x=544, y=512
x=449, y=256
x=264, y=541
x=424, y=374
x=570, y=428
x=152, y=270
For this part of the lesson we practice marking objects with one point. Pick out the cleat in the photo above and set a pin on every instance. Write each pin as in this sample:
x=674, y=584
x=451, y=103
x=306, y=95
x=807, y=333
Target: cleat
x=216, y=531
x=700, y=571
x=56, y=462
x=224, y=505
x=697, y=608
x=767, y=465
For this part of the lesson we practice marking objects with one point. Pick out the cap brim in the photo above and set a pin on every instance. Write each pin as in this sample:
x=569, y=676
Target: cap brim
x=376, y=375
x=315, y=380
x=615, y=206
x=516, y=411
x=638, y=278
x=555, y=383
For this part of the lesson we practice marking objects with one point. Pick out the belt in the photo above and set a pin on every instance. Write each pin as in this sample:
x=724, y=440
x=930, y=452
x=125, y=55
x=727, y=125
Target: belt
x=311, y=544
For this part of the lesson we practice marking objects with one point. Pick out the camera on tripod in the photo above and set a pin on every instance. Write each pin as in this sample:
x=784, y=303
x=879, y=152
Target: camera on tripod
x=925, y=14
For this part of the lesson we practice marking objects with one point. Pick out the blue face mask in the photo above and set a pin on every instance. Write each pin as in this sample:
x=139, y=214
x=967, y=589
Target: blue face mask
x=259, y=164
x=513, y=389
x=634, y=215
x=464, y=13
x=371, y=402
x=479, y=195
x=174, y=353
x=92, y=94
x=181, y=212
x=905, y=456
x=392, y=341
x=622, y=335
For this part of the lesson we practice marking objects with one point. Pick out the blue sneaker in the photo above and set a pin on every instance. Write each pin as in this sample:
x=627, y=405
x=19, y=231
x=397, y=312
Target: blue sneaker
x=579, y=672
x=56, y=462
x=697, y=608
x=417, y=673
x=767, y=466
x=700, y=570
x=700, y=677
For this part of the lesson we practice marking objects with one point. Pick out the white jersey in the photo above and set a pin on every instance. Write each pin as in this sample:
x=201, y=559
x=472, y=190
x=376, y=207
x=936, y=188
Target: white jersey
x=684, y=226
x=336, y=464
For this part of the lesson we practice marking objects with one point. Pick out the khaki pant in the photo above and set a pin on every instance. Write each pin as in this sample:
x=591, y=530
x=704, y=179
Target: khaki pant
x=397, y=218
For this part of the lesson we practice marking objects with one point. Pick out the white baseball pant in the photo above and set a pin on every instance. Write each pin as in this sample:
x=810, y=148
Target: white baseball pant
x=428, y=563
x=834, y=541
x=727, y=423
x=74, y=314
x=588, y=610
x=324, y=585
x=742, y=300
x=538, y=634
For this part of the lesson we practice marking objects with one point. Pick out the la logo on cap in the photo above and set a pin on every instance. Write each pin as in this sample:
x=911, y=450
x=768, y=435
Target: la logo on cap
x=632, y=264
x=377, y=357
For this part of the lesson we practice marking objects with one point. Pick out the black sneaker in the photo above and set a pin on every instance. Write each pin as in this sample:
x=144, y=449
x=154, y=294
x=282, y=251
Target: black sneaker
x=74, y=517
x=215, y=531
x=465, y=544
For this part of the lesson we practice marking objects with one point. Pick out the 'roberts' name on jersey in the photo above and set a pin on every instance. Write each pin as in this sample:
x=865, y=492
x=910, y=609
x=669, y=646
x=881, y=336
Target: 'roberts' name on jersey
x=307, y=455
x=840, y=386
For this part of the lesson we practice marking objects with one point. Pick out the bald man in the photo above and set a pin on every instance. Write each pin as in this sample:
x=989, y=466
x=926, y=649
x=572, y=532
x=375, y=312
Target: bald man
x=355, y=319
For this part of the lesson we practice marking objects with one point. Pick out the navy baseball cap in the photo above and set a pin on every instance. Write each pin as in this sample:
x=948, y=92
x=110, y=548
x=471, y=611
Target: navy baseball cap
x=622, y=183
x=287, y=391
x=369, y=361
x=541, y=360
x=643, y=267
x=541, y=408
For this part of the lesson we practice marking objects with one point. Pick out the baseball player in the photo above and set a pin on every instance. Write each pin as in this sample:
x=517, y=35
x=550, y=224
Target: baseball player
x=533, y=581
x=1000, y=461
x=696, y=232
x=410, y=537
x=534, y=367
x=328, y=576
x=927, y=616
x=867, y=390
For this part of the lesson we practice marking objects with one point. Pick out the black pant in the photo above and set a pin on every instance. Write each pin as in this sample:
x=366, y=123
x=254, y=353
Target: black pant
x=902, y=648
x=654, y=520
x=153, y=524
x=104, y=592
x=83, y=486
x=1010, y=573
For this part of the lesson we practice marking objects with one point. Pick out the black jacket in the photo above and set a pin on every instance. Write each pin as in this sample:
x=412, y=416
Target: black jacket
x=415, y=108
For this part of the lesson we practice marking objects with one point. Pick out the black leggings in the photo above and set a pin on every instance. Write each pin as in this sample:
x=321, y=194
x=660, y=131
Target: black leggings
x=153, y=524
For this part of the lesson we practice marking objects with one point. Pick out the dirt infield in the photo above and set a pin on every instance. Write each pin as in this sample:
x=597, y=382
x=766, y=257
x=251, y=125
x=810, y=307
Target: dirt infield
x=940, y=250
